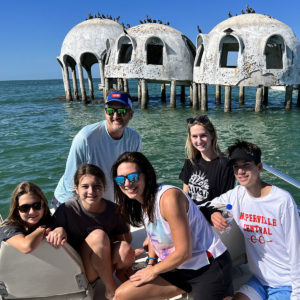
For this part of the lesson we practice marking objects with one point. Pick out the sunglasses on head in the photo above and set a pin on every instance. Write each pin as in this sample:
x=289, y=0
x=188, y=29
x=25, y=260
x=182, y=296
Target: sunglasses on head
x=200, y=119
x=26, y=207
x=133, y=177
x=120, y=111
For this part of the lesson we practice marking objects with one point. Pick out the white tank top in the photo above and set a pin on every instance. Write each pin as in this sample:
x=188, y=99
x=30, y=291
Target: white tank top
x=204, y=238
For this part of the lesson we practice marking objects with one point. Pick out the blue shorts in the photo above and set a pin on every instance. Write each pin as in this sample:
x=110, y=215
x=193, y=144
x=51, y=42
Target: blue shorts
x=254, y=290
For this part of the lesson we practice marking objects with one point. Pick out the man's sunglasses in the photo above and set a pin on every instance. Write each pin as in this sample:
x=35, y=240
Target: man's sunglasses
x=26, y=207
x=120, y=111
x=200, y=119
x=133, y=177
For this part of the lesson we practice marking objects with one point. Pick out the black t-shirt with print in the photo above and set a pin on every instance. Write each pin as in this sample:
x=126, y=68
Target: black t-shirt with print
x=207, y=179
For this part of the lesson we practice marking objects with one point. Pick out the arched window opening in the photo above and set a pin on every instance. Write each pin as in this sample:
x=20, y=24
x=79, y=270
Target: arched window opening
x=154, y=50
x=88, y=59
x=230, y=52
x=273, y=51
x=200, y=54
x=70, y=62
x=125, y=51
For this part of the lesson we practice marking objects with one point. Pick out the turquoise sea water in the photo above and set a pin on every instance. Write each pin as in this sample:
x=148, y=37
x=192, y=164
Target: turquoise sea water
x=36, y=130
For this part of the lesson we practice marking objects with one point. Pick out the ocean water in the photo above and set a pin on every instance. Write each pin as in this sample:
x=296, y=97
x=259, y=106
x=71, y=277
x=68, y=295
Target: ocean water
x=36, y=131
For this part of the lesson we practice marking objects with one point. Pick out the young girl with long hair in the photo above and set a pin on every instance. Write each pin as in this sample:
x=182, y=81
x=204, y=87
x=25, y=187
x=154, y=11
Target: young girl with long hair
x=95, y=228
x=206, y=173
x=29, y=218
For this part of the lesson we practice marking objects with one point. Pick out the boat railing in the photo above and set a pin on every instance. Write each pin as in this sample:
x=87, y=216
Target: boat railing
x=283, y=177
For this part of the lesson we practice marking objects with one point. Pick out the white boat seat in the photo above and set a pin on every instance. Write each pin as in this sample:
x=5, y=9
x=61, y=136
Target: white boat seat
x=235, y=243
x=45, y=272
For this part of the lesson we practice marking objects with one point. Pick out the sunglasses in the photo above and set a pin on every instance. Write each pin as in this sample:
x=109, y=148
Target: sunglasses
x=26, y=207
x=120, y=111
x=200, y=119
x=133, y=177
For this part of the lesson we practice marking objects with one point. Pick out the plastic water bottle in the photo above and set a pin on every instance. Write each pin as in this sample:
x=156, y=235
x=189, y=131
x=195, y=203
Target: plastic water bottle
x=228, y=216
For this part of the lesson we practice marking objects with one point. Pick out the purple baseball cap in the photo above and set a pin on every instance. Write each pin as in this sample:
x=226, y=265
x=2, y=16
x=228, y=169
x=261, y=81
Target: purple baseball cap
x=119, y=97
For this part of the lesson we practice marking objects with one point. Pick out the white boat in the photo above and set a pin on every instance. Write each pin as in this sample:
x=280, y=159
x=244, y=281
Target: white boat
x=49, y=273
x=56, y=274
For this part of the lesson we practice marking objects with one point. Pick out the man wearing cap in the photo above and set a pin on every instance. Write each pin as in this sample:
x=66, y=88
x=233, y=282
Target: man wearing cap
x=268, y=218
x=100, y=144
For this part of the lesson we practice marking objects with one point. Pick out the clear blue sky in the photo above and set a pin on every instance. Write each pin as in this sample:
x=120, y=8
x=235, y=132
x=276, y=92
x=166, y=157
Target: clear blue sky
x=32, y=31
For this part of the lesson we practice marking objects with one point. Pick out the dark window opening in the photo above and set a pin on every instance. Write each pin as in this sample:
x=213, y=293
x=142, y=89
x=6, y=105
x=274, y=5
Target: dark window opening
x=273, y=53
x=229, y=55
x=191, y=47
x=125, y=54
x=198, y=62
x=154, y=54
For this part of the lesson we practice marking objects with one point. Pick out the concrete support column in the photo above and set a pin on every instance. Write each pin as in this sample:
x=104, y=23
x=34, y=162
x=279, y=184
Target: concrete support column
x=144, y=101
x=199, y=93
x=288, y=96
x=227, y=102
x=101, y=69
x=195, y=96
x=265, y=95
x=120, y=86
x=139, y=88
x=203, y=97
x=218, y=95
x=75, y=86
x=125, y=82
x=182, y=93
x=90, y=81
x=81, y=83
x=163, y=93
x=258, y=103
x=66, y=80
x=105, y=88
x=173, y=94
x=242, y=95
x=191, y=94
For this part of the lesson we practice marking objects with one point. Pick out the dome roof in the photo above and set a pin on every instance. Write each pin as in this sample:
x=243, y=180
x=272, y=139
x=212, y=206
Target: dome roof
x=250, y=21
x=90, y=36
x=249, y=49
x=152, y=51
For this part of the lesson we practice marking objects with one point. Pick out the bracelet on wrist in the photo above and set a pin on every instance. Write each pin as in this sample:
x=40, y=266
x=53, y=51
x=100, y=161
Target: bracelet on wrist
x=151, y=258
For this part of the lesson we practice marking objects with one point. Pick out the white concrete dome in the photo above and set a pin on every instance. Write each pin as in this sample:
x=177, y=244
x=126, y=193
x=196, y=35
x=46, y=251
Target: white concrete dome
x=91, y=36
x=248, y=50
x=154, y=52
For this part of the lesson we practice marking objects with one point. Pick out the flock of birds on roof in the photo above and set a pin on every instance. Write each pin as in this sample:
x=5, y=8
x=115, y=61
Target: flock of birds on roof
x=109, y=17
x=150, y=20
x=147, y=20
x=248, y=9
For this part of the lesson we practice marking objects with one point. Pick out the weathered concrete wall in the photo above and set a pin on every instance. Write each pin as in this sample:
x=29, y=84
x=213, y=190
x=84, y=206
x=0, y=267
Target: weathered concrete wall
x=177, y=54
x=252, y=32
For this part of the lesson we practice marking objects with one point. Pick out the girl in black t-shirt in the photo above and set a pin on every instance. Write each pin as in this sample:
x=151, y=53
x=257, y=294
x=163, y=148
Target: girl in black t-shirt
x=96, y=229
x=205, y=173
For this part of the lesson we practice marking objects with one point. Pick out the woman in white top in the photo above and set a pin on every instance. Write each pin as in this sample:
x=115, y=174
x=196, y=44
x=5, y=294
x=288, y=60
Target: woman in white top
x=179, y=237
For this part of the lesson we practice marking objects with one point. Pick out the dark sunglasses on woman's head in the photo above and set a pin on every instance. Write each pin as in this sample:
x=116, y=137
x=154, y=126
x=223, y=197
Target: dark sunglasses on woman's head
x=26, y=207
x=200, y=119
x=120, y=111
x=133, y=177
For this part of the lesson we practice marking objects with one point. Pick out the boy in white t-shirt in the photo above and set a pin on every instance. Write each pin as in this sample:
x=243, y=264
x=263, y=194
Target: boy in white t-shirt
x=269, y=220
